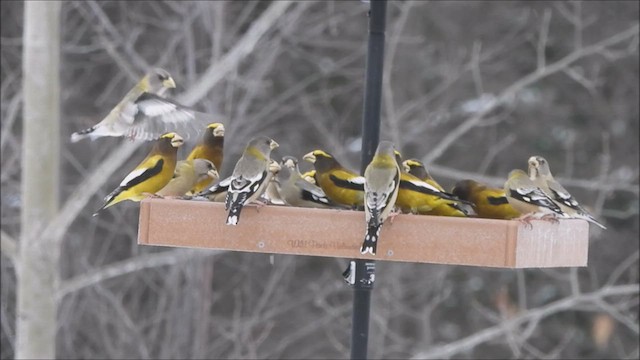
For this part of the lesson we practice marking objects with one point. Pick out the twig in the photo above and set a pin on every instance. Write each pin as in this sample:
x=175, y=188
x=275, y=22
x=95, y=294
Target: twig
x=475, y=68
x=139, y=61
x=9, y=118
x=470, y=342
x=128, y=324
x=542, y=40
x=108, y=44
x=522, y=83
x=605, y=168
x=394, y=39
x=128, y=266
x=630, y=323
x=56, y=229
x=231, y=59
x=494, y=151
x=624, y=265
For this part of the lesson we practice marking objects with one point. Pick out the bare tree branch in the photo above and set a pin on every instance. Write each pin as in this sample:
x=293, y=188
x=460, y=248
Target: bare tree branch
x=241, y=50
x=131, y=265
x=542, y=39
x=468, y=343
x=522, y=83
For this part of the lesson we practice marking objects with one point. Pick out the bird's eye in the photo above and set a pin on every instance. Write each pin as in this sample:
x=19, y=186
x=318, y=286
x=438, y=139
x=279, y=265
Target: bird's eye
x=162, y=77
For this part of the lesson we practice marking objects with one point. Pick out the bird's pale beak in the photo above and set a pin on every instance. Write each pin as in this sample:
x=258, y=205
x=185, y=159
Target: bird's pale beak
x=169, y=83
x=274, y=167
x=219, y=130
x=177, y=141
x=213, y=173
x=309, y=157
x=289, y=163
x=273, y=145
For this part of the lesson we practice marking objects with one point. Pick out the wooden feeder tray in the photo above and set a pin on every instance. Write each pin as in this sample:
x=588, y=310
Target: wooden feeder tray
x=339, y=233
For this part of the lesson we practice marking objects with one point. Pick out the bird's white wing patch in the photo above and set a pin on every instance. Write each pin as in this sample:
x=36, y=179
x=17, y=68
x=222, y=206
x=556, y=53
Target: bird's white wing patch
x=156, y=107
x=128, y=113
x=357, y=180
x=249, y=185
x=425, y=185
x=132, y=175
x=154, y=116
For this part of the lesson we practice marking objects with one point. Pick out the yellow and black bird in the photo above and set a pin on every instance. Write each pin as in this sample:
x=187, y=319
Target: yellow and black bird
x=210, y=147
x=488, y=202
x=540, y=173
x=416, y=196
x=144, y=113
x=341, y=185
x=451, y=207
x=151, y=175
x=416, y=168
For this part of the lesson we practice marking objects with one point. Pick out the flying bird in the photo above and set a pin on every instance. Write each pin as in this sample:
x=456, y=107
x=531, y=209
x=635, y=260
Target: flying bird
x=144, y=113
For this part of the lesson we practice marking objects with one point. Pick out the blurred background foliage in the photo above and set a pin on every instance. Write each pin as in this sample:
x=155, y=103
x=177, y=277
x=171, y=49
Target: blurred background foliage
x=472, y=87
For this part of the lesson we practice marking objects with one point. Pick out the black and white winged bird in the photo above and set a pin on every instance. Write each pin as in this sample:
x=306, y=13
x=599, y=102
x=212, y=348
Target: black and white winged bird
x=144, y=113
x=530, y=200
x=382, y=180
x=540, y=174
x=250, y=176
x=218, y=191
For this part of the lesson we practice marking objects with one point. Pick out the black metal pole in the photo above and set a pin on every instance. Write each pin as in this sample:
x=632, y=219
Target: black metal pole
x=365, y=269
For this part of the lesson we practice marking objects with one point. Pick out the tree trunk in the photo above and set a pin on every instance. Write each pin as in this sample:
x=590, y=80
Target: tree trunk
x=38, y=264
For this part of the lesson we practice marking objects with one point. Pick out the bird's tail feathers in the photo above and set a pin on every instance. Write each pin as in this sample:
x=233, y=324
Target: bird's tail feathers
x=98, y=211
x=109, y=200
x=79, y=135
x=235, y=207
x=591, y=219
x=370, y=240
x=234, y=214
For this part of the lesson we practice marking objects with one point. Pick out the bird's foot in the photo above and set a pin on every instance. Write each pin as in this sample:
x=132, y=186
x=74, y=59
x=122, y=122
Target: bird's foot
x=259, y=203
x=153, y=195
x=130, y=136
x=393, y=214
x=551, y=218
x=526, y=220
